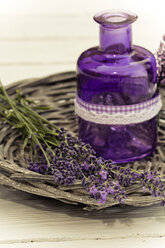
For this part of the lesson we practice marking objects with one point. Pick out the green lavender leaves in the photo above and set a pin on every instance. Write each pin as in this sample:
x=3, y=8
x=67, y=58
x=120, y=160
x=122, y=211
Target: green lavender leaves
x=21, y=114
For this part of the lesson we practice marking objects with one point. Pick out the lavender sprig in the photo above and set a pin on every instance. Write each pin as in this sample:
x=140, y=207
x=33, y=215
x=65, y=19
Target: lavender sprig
x=75, y=160
x=161, y=62
x=33, y=126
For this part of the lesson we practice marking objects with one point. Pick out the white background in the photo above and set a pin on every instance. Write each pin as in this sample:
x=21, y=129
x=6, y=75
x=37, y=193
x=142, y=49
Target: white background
x=40, y=37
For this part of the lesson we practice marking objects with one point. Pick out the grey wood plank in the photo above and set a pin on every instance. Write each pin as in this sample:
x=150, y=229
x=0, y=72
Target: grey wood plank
x=51, y=20
x=80, y=28
x=39, y=53
x=42, y=28
x=27, y=218
x=117, y=243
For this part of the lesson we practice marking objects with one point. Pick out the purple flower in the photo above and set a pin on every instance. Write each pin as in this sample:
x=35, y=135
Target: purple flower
x=103, y=196
x=93, y=190
x=121, y=200
x=150, y=176
x=111, y=190
x=99, y=161
x=85, y=165
x=103, y=174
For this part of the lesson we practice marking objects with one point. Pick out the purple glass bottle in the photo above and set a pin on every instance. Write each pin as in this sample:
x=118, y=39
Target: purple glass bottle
x=117, y=73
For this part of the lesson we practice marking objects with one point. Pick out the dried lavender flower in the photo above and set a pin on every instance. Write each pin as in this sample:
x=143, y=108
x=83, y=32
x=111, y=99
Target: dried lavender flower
x=75, y=160
x=161, y=62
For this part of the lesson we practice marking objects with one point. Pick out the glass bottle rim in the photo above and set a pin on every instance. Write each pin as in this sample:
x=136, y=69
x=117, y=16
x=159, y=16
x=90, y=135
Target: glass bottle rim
x=115, y=17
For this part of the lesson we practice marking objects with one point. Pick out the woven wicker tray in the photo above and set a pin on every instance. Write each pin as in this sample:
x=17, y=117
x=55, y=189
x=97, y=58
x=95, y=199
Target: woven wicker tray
x=58, y=91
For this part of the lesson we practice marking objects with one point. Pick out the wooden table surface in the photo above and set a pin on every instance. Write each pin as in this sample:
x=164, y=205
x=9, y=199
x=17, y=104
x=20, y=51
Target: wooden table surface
x=38, y=38
x=31, y=221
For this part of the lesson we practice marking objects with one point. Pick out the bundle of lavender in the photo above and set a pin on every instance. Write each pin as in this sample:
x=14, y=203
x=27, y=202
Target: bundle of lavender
x=161, y=62
x=53, y=151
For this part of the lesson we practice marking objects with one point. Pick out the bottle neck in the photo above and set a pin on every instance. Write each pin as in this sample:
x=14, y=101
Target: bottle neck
x=116, y=40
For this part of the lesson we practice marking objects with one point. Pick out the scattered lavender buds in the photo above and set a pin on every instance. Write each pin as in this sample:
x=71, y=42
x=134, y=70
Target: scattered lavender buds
x=74, y=160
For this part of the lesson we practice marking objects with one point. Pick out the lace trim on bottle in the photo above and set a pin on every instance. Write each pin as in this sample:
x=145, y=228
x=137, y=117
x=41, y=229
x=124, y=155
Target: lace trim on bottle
x=118, y=115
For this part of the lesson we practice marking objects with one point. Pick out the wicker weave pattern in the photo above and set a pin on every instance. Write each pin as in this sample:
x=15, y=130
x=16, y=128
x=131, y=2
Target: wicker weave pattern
x=58, y=91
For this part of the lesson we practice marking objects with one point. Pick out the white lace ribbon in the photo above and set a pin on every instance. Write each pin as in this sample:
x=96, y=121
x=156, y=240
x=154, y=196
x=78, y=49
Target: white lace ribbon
x=118, y=115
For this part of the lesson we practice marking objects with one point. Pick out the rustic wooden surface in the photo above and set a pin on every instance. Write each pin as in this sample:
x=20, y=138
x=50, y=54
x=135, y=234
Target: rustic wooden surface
x=38, y=38
x=31, y=221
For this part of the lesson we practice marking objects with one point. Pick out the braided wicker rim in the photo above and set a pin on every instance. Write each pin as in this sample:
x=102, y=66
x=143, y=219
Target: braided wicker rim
x=58, y=91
